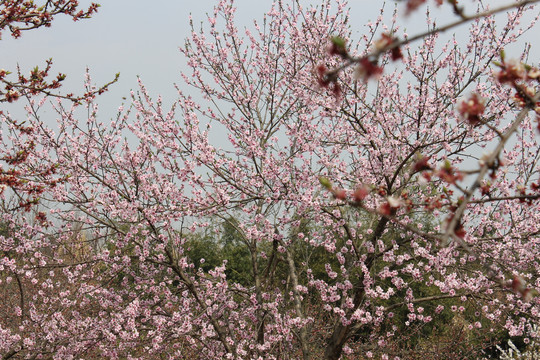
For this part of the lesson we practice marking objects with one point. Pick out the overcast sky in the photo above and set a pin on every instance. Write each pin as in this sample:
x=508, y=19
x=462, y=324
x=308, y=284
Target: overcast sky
x=132, y=37
x=136, y=37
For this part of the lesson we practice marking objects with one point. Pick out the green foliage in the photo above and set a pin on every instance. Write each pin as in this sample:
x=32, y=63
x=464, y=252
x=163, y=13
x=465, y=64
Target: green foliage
x=203, y=247
x=307, y=256
x=228, y=244
x=4, y=229
x=210, y=249
x=236, y=252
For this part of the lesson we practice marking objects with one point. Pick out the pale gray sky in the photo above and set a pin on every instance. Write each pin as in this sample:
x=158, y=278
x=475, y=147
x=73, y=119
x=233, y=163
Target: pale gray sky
x=136, y=37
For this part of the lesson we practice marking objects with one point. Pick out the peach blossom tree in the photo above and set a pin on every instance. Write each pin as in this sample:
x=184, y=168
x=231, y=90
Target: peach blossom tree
x=407, y=166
